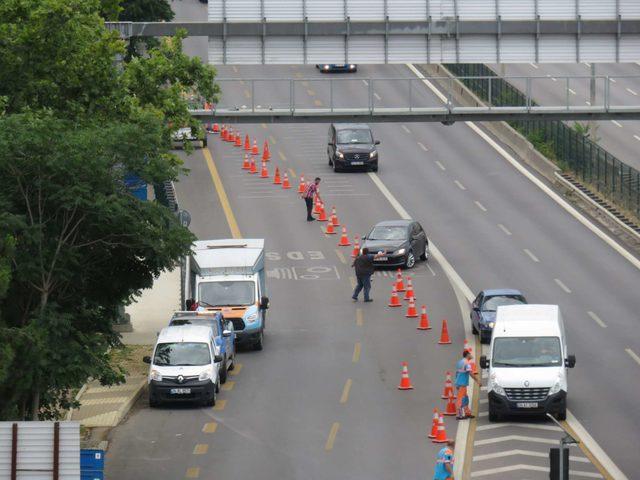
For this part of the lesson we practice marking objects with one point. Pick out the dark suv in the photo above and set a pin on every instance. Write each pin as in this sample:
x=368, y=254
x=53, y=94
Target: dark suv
x=351, y=145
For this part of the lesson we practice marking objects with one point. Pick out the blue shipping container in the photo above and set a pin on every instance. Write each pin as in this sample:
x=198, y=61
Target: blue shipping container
x=136, y=186
x=91, y=460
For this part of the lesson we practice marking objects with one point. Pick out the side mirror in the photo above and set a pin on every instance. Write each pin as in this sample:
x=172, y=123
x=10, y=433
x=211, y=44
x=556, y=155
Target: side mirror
x=484, y=362
x=226, y=333
x=264, y=303
x=217, y=358
x=146, y=359
x=570, y=361
x=377, y=142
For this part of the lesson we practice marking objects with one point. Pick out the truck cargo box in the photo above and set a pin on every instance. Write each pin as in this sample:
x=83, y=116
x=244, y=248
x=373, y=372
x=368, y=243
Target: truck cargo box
x=228, y=257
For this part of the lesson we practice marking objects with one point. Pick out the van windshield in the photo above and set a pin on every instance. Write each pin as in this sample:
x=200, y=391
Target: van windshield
x=526, y=352
x=218, y=294
x=182, y=354
x=356, y=135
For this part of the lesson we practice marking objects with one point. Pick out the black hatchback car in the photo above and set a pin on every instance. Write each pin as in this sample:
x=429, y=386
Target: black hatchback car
x=351, y=145
x=403, y=241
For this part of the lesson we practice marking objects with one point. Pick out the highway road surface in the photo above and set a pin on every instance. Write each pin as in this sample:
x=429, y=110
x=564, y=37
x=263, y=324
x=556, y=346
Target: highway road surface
x=321, y=400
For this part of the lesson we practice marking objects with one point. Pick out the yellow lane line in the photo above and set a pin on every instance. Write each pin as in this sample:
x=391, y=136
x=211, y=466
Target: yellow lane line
x=311, y=92
x=192, y=472
x=235, y=69
x=220, y=404
x=332, y=437
x=341, y=256
x=317, y=103
x=353, y=282
x=292, y=172
x=356, y=352
x=282, y=156
x=236, y=369
x=345, y=391
x=228, y=386
x=305, y=83
x=201, y=449
x=359, y=317
x=263, y=125
x=222, y=195
x=247, y=94
x=272, y=140
x=210, y=427
x=241, y=82
x=298, y=74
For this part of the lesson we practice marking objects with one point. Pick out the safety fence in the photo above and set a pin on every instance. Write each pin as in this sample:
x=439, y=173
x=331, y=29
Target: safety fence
x=569, y=147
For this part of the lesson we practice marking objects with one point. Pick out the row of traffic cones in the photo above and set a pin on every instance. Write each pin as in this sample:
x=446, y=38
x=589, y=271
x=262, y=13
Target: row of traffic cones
x=227, y=134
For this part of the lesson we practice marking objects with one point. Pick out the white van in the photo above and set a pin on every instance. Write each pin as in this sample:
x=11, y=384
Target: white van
x=528, y=363
x=185, y=366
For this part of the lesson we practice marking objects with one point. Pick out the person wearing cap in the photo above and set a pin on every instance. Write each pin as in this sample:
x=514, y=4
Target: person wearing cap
x=444, y=462
x=364, y=267
x=464, y=370
x=309, y=193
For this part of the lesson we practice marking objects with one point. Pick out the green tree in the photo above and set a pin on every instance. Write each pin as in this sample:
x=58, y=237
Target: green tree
x=143, y=11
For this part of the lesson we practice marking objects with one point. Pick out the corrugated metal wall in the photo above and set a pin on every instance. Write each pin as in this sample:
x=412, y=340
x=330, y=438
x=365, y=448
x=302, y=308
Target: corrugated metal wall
x=411, y=47
x=35, y=450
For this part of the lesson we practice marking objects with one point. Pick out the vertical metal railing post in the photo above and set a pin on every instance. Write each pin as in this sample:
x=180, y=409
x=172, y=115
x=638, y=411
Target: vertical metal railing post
x=567, y=91
x=371, y=95
x=292, y=93
x=450, y=94
x=410, y=94
x=489, y=95
x=331, y=94
x=253, y=96
x=528, y=94
x=607, y=87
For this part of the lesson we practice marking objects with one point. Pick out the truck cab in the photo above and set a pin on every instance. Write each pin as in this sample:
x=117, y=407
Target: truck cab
x=228, y=276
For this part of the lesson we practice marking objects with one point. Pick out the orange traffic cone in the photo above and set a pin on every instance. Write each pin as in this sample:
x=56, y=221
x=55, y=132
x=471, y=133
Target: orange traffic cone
x=450, y=409
x=444, y=334
x=276, y=177
x=334, y=217
x=344, y=240
x=245, y=162
x=223, y=133
x=216, y=128
x=301, y=184
x=238, y=142
x=322, y=216
x=394, y=301
x=474, y=365
x=441, y=434
x=266, y=155
x=285, y=182
x=247, y=143
x=465, y=346
x=409, y=293
x=411, y=311
x=254, y=149
x=399, y=282
x=252, y=166
x=229, y=135
x=448, y=387
x=405, y=381
x=316, y=206
x=434, y=424
x=424, y=319
x=264, y=173
x=330, y=230
x=356, y=247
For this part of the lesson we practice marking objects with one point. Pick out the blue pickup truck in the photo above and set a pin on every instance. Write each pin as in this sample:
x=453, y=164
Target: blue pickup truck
x=222, y=331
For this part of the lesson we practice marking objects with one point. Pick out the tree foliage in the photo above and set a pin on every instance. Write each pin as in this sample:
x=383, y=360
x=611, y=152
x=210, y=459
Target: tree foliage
x=74, y=243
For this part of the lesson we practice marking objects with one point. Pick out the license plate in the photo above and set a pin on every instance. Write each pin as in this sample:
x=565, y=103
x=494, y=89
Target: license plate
x=180, y=391
x=381, y=259
x=357, y=163
x=527, y=405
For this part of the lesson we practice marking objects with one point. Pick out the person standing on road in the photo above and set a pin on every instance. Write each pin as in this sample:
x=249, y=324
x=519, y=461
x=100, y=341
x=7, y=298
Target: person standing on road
x=311, y=191
x=444, y=462
x=364, y=269
x=464, y=370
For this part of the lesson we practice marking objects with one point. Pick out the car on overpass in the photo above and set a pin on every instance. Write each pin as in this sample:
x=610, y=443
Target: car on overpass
x=337, y=67
x=484, y=307
x=197, y=136
x=351, y=145
x=402, y=241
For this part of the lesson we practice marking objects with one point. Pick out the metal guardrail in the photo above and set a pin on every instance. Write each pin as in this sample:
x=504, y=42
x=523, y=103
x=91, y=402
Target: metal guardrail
x=591, y=163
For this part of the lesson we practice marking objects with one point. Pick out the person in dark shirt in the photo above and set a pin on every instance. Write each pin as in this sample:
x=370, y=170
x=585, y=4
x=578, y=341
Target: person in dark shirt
x=364, y=269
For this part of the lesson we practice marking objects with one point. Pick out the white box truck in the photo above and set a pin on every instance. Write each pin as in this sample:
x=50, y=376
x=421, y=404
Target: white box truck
x=528, y=363
x=228, y=276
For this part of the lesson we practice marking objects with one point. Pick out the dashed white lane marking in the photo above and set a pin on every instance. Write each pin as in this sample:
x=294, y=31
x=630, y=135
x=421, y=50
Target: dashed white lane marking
x=423, y=147
x=586, y=64
x=562, y=285
x=531, y=468
x=431, y=270
x=377, y=96
x=637, y=137
x=459, y=185
x=633, y=355
x=504, y=229
x=597, y=319
x=406, y=129
x=365, y=82
x=527, y=453
x=495, y=426
x=613, y=80
x=617, y=124
x=531, y=255
x=635, y=94
x=515, y=438
x=573, y=92
x=480, y=206
x=587, y=102
x=534, y=65
x=440, y=165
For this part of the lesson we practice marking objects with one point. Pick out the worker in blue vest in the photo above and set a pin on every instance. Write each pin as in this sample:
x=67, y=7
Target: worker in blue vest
x=464, y=370
x=444, y=462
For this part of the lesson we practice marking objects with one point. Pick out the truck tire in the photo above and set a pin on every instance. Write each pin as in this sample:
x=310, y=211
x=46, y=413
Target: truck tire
x=259, y=345
x=223, y=371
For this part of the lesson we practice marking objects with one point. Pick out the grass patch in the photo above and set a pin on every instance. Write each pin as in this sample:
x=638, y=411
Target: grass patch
x=129, y=358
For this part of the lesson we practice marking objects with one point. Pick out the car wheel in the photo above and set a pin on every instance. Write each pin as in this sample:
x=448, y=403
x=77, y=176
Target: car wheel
x=259, y=345
x=410, y=261
x=485, y=339
x=493, y=415
x=233, y=364
x=374, y=169
x=153, y=403
x=211, y=401
x=223, y=371
x=423, y=257
x=474, y=330
x=562, y=413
